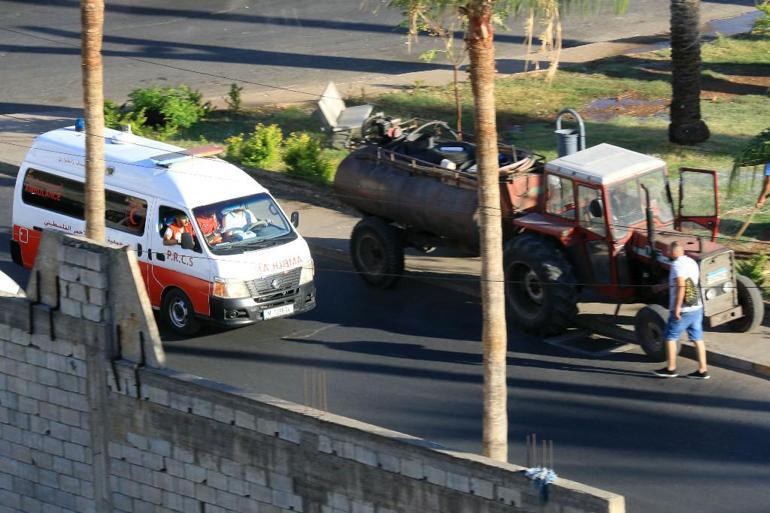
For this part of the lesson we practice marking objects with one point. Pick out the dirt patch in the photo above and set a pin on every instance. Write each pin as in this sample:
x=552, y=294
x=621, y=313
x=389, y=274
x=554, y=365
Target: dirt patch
x=628, y=105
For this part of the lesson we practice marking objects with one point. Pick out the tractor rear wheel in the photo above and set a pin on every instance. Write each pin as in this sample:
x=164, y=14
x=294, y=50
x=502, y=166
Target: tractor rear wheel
x=750, y=298
x=650, y=329
x=377, y=252
x=540, y=287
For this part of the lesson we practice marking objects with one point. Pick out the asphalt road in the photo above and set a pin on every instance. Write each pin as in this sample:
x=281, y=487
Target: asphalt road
x=410, y=360
x=209, y=45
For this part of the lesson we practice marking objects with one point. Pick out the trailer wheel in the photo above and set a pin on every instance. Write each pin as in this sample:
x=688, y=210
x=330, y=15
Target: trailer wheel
x=750, y=298
x=377, y=252
x=540, y=288
x=650, y=329
x=178, y=313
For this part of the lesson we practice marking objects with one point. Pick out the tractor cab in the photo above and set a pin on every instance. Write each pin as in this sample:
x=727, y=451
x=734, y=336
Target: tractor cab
x=611, y=186
x=616, y=205
x=599, y=198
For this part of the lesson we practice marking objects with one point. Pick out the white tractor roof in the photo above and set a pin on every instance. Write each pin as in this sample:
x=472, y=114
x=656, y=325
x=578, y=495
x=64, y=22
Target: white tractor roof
x=604, y=164
x=141, y=164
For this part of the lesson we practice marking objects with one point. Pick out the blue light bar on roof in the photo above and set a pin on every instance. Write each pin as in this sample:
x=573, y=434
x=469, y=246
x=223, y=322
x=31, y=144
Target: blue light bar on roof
x=166, y=159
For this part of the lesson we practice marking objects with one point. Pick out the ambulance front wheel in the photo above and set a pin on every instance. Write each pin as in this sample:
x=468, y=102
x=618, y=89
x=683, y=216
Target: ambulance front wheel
x=178, y=313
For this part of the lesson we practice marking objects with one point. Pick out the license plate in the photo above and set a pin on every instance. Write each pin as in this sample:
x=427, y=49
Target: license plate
x=279, y=311
x=720, y=274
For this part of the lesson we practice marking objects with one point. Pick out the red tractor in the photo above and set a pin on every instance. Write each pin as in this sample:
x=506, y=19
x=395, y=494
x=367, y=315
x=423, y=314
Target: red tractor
x=598, y=222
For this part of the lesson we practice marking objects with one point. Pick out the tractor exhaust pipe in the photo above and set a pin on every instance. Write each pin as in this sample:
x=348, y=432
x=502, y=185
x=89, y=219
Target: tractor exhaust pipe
x=650, y=232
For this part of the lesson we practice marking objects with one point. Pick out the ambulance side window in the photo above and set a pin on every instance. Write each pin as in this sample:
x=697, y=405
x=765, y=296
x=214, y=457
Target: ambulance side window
x=167, y=217
x=125, y=213
x=54, y=193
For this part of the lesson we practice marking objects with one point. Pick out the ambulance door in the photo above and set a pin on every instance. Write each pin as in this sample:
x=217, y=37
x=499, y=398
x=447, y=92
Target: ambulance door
x=143, y=252
x=174, y=266
x=126, y=221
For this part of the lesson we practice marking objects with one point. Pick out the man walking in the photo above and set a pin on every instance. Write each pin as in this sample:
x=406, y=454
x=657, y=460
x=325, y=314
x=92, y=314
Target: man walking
x=685, y=312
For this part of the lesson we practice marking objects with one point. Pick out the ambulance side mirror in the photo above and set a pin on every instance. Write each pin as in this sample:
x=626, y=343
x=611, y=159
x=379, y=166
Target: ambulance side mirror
x=295, y=219
x=187, y=241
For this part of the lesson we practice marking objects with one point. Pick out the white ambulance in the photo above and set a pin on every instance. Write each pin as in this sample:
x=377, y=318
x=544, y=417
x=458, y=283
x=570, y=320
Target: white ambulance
x=212, y=243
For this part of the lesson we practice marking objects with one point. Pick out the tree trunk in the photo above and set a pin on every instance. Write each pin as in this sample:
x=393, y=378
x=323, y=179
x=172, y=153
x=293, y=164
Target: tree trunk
x=92, y=21
x=686, y=126
x=458, y=99
x=479, y=40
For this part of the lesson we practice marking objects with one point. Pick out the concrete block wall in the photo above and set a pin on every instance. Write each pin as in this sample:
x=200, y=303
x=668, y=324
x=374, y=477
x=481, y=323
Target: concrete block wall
x=46, y=455
x=183, y=443
x=90, y=421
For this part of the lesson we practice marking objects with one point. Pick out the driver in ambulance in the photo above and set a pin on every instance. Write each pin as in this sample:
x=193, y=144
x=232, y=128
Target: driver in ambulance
x=237, y=218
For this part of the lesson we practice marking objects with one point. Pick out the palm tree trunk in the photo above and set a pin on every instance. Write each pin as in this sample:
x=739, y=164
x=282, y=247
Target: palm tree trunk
x=686, y=126
x=479, y=39
x=458, y=99
x=92, y=20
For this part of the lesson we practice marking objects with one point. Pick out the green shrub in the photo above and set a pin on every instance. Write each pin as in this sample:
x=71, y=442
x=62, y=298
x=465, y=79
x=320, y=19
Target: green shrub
x=303, y=157
x=262, y=148
x=167, y=109
x=754, y=269
x=234, y=145
x=117, y=117
x=762, y=25
x=233, y=100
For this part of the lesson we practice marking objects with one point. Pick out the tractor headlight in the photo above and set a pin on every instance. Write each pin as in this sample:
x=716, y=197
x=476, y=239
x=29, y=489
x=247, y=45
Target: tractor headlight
x=308, y=271
x=727, y=287
x=711, y=293
x=230, y=289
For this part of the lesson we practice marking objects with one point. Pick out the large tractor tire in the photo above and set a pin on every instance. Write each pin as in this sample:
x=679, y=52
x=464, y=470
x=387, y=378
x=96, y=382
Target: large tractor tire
x=750, y=298
x=650, y=330
x=377, y=252
x=540, y=288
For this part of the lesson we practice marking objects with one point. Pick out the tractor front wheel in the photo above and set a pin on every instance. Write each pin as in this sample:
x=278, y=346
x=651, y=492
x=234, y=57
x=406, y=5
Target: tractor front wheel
x=750, y=298
x=650, y=329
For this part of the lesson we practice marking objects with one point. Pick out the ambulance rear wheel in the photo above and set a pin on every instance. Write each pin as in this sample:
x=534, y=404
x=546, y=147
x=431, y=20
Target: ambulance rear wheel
x=178, y=313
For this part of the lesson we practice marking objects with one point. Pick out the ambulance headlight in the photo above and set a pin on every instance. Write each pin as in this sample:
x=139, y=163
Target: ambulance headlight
x=230, y=289
x=308, y=271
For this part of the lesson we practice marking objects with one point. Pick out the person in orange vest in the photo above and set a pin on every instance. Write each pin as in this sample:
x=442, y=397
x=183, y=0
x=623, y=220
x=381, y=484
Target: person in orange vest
x=173, y=234
x=209, y=225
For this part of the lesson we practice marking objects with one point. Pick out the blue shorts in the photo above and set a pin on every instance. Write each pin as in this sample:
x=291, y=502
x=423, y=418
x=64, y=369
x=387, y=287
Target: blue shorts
x=690, y=321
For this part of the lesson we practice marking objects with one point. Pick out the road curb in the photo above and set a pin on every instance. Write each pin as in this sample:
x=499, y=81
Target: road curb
x=327, y=252
x=726, y=361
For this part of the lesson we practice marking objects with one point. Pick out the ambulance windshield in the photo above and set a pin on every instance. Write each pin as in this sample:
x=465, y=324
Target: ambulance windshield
x=243, y=224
